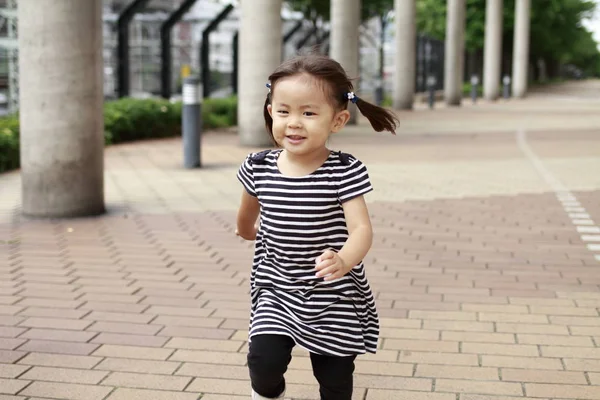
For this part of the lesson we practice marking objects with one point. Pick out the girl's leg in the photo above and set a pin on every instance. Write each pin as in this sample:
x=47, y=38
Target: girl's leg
x=334, y=375
x=268, y=360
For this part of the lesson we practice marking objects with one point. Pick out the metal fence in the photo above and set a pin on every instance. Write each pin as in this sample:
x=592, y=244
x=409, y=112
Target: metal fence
x=9, y=69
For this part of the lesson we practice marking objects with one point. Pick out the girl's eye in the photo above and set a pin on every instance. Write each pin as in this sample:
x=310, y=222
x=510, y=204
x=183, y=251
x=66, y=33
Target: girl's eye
x=309, y=113
x=282, y=112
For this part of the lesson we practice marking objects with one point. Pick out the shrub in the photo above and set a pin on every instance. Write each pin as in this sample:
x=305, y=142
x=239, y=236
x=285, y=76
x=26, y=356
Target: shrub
x=9, y=143
x=219, y=113
x=466, y=89
x=127, y=120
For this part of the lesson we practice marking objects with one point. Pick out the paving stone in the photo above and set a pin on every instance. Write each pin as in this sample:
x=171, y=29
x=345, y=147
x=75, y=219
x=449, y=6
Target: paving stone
x=143, y=394
x=66, y=375
x=137, y=365
x=66, y=391
x=11, y=370
x=143, y=353
x=12, y=386
x=146, y=381
x=59, y=347
x=60, y=360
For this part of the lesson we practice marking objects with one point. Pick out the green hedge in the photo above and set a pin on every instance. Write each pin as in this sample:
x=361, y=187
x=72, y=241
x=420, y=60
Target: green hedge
x=9, y=143
x=128, y=120
x=219, y=113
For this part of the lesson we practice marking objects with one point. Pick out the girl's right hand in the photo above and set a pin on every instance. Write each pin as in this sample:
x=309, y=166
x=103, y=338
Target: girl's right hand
x=251, y=236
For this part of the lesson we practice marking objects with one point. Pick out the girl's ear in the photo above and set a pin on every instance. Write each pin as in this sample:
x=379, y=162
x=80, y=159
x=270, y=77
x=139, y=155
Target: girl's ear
x=270, y=110
x=340, y=120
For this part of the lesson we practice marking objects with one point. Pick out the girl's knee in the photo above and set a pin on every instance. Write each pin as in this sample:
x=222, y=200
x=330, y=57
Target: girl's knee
x=269, y=357
x=335, y=376
x=269, y=364
x=268, y=360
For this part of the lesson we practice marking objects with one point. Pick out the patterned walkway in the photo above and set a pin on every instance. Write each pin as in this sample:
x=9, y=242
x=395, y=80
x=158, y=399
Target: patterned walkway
x=486, y=266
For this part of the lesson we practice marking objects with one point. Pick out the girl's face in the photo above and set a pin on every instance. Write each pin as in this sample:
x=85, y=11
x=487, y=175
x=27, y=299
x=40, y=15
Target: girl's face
x=303, y=118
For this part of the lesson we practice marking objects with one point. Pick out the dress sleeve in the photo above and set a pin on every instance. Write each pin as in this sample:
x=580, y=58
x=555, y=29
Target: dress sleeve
x=246, y=175
x=354, y=182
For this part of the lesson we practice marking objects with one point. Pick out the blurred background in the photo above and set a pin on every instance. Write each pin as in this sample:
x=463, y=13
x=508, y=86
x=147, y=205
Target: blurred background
x=564, y=42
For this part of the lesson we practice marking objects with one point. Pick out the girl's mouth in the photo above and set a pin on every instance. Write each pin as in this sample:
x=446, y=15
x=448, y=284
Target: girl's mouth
x=295, y=139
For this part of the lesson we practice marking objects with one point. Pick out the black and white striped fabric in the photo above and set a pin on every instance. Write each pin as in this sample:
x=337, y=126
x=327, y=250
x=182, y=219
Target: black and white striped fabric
x=300, y=218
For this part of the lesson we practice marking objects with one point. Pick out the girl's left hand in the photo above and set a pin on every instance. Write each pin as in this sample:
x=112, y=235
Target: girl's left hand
x=331, y=266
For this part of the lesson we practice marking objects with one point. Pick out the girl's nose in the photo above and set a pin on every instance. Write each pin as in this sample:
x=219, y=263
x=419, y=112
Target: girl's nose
x=294, y=123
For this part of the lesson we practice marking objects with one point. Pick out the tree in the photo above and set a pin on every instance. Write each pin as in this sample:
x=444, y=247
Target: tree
x=557, y=36
x=320, y=9
x=312, y=10
x=584, y=53
x=556, y=32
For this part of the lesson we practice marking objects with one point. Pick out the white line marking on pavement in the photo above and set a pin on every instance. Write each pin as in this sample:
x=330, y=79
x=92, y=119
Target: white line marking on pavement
x=590, y=238
x=588, y=229
x=574, y=209
x=579, y=216
x=583, y=222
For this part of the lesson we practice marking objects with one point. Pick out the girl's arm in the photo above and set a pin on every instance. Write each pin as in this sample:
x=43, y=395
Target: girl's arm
x=360, y=232
x=334, y=265
x=247, y=216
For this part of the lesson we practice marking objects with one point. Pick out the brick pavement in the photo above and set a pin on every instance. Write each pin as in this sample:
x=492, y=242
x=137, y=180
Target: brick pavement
x=485, y=287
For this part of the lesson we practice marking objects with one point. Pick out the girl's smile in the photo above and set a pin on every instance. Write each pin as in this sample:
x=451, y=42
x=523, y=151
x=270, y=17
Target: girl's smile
x=295, y=139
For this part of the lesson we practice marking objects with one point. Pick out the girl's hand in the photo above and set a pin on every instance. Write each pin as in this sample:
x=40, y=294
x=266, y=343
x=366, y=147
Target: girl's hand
x=252, y=235
x=331, y=266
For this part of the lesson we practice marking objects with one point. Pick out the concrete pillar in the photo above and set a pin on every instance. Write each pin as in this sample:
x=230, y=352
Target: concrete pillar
x=406, y=54
x=492, y=62
x=455, y=51
x=344, y=41
x=521, y=47
x=61, y=107
x=260, y=49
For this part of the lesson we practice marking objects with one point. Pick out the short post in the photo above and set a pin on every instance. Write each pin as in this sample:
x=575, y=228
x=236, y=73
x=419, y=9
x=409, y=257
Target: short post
x=191, y=121
x=379, y=91
x=431, y=82
x=474, y=87
x=506, y=86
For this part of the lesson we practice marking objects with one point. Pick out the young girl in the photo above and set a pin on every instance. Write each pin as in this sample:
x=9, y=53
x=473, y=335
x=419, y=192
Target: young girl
x=308, y=284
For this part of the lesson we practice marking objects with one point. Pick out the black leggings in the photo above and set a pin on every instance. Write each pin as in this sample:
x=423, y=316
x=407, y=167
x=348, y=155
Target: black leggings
x=268, y=360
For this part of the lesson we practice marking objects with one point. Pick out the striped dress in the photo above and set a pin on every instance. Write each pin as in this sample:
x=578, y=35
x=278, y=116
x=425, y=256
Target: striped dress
x=300, y=218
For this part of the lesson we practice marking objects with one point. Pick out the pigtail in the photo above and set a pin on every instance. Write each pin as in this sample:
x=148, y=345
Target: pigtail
x=268, y=118
x=380, y=118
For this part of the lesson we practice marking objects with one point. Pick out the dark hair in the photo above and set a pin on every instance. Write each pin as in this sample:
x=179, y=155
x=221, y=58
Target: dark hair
x=336, y=85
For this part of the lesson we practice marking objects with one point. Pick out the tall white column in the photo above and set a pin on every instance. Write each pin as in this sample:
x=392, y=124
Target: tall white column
x=61, y=107
x=406, y=54
x=260, y=45
x=455, y=51
x=521, y=47
x=492, y=62
x=344, y=47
